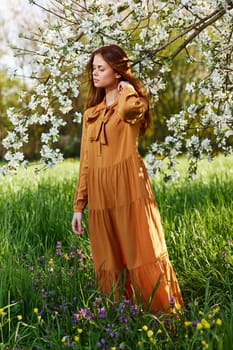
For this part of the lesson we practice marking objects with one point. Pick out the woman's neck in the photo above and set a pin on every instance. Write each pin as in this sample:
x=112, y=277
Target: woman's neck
x=111, y=96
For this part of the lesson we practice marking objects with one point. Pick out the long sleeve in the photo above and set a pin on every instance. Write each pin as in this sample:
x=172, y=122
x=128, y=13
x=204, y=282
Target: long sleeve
x=80, y=198
x=131, y=106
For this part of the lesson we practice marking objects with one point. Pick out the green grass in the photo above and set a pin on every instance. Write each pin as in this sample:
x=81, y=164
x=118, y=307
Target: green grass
x=48, y=297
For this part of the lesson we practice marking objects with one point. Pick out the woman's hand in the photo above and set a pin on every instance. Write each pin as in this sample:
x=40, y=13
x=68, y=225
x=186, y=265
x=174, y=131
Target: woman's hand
x=77, y=223
x=124, y=83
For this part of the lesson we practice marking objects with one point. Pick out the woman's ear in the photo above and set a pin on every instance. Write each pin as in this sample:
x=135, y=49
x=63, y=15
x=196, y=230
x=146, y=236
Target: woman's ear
x=117, y=76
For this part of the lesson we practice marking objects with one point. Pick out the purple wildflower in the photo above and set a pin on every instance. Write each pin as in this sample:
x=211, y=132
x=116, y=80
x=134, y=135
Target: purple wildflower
x=194, y=323
x=113, y=334
x=58, y=245
x=84, y=313
x=172, y=301
x=89, y=284
x=71, y=255
x=101, y=344
x=134, y=309
x=123, y=319
x=101, y=313
x=58, y=249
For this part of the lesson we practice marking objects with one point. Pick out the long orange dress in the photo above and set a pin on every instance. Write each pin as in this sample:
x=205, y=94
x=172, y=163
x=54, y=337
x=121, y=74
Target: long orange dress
x=124, y=223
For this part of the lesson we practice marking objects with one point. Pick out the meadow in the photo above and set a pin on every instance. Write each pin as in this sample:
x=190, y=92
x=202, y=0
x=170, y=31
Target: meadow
x=48, y=296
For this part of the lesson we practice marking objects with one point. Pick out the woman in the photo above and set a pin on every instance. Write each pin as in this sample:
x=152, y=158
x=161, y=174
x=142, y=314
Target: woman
x=126, y=234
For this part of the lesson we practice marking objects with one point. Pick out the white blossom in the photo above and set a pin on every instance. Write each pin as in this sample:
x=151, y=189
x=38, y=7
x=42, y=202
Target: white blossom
x=77, y=118
x=217, y=79
x=190, y=87
x=192, y=110
x=18, y=156
x=13, y=117
x=50, y=156
x=185, y=2
x=193, y=142
x=169, y=139
x=54, y=71
x=175, y=175
x=205, y=145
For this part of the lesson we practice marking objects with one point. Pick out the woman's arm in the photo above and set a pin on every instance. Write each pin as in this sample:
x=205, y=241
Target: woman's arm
x=131, y=107
x=80, y=198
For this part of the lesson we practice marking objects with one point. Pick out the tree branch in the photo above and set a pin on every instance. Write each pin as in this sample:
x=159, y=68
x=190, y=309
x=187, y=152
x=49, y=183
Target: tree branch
x=52, y=12
x=214, y=18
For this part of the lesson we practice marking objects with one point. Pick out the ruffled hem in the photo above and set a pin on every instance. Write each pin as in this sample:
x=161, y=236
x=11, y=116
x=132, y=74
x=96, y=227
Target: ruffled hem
x=154, y=285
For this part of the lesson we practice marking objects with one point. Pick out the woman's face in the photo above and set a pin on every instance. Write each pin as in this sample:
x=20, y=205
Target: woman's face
x=103, y=75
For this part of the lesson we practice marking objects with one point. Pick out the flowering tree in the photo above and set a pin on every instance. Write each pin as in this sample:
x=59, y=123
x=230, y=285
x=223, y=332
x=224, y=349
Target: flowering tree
x=154, y=34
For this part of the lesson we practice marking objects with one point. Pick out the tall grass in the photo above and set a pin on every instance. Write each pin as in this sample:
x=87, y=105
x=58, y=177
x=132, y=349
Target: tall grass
x=48, y=297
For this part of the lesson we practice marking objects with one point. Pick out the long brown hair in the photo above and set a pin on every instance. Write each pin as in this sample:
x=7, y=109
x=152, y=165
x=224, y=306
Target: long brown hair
x=119, y=62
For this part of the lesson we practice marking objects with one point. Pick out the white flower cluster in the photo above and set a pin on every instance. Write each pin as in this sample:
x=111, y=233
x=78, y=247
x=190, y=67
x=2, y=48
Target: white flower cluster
x=49, y=156
x=152, y=34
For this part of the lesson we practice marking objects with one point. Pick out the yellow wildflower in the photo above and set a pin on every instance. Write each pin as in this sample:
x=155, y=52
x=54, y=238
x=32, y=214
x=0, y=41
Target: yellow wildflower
x=79, y=330
x=200, y=312
x=205, y=323
x=210, y=316
x=35, y=310
x=66, y=257
x=1, y=311
x=19, y=317
x=150, y=333
x=199, y=325
x=50, y=262
x=39, y=317
x=159, y=331
x=56, y=313
x=63, y=340
x=216, y=310
x=178, y=307
x=204, y=343
x=188, y=323
x=76, y=338
x=218, y=322
x=145, y=328
x=113, y=348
